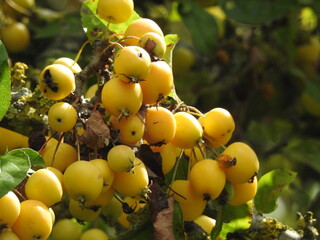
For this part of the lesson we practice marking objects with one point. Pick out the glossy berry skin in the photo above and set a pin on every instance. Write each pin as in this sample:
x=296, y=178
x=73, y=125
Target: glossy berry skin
x=218, y=126
x=207, y=178
x=15, y=37
x=132, y=63
x=244, y=192
x=158, y=84
x=82, y=213
x=34, y=222
x=139, y=27
x=11, y=140
x=153, y=43
x=56, y=81
x=44, y=185
x=188, y=132
x=62, y=116
x=94, y=233
x=60, y=158
x=9, y=210
x=83, y=181
x=106, y=171
x=132, y=183
x=8, y=235
x=115, y=11
x=191, y=204
x=206, y=223
x=131, y=129
x=68, y=62
x=120, y=98
x=66, y=229
x=121, y=158
x=168, y=156
x=246, y=162
x=160, y=126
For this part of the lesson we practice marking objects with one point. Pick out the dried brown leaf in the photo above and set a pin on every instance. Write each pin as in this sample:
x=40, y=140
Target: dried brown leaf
x=97, y=133
x=162, y=213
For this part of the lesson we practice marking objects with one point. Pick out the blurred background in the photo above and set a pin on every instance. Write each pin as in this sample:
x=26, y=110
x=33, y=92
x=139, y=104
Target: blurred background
x=259, y=59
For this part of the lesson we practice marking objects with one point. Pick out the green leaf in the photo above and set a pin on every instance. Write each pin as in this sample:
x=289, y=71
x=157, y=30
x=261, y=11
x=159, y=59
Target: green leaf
x=304, y=151
x=236, y=218
x=177, y=221
x=270, y=187
x=230, y=218
x=121, y=27
x=201, y=24
x=145, y=233
x=94, y=26
x=256, y=11
x=171, y=41
x=34, y=157
x=4, y=81
x=14, y=166
x=312, y=89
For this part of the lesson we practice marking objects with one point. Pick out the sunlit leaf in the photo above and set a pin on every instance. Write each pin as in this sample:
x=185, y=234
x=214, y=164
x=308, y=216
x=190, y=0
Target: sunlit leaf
x=231, y=219
x=171, y=41
x=94, y=26
x=13, y=168
x=34, y=157
x=270, y=187
x=121, y=27
x=4, y=81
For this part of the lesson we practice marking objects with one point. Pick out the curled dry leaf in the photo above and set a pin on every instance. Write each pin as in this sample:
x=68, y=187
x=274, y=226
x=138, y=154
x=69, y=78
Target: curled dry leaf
x=162, y=213
x=97, y=132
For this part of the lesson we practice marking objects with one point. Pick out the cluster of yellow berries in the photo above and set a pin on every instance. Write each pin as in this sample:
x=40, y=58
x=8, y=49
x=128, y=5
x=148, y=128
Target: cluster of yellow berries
x=140, y=80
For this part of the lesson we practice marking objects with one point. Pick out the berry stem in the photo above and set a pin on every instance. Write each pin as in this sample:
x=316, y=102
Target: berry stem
x=195, y=114
x=135, y=37
x=176, y=166
x=19, y=194
x=56, y=149
x=114, y=44
x=201, y=150
x=211, y=148
x=80, y=51
x=114, y=35
x=195, y=111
